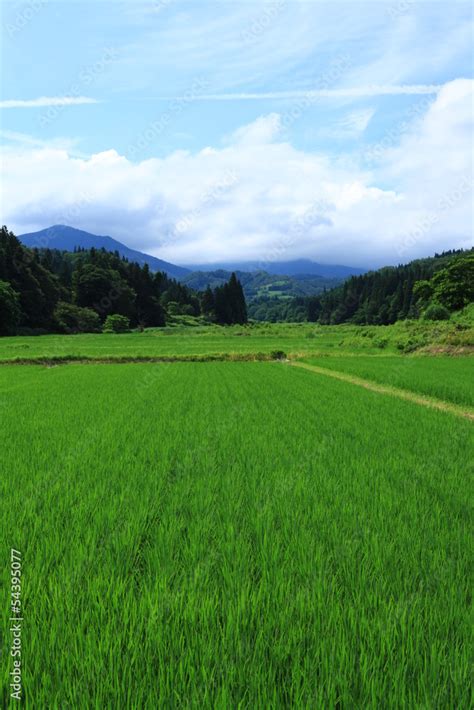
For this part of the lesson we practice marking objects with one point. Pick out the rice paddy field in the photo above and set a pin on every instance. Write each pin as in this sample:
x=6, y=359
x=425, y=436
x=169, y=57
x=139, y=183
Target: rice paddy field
x=446, y=378
x=237, y=534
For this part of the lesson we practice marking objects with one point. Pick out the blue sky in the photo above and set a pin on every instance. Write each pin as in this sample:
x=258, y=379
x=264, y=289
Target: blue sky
x=213, y=130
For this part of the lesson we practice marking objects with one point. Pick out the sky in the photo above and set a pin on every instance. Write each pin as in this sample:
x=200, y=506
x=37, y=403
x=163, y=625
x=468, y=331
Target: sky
x=242, y=130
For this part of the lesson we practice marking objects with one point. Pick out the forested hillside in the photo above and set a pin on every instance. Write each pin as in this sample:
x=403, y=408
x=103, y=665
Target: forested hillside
x=431, y=287
x=44, y=290
x=261, y=284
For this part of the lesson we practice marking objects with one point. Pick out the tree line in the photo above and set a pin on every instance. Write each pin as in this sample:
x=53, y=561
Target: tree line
x=393, y=293
x=431, y=288
x=44, y=290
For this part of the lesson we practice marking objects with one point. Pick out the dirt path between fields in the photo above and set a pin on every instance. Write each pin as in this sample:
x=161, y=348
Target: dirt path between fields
x=407, y=395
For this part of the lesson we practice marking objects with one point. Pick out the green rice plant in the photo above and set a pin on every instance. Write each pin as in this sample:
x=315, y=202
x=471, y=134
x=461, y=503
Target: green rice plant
x=226, y=534
x=443, y=377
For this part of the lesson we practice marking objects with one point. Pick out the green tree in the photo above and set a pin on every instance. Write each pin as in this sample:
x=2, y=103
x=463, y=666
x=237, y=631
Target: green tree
x=229, y=302
x=116, y=323
x=453, y=287
x=423, y=292
x=10, y=312
x=38, y=288
x=237, y=300
x=74, y=319
x=207, y=302
x=436, y=311
x=103, y=290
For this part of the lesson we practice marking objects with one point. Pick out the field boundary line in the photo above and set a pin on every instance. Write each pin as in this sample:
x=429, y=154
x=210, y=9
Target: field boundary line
x=50, y=361
x=407, y=395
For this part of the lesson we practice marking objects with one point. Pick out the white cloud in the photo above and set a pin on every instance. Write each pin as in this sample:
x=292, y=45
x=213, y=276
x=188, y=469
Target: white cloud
x=259, y=197
x=246, y=47
x=264, y=130
x=350, y=126
x=43, y=101
x=27, y=141
x=343, y=93
x=357, y=121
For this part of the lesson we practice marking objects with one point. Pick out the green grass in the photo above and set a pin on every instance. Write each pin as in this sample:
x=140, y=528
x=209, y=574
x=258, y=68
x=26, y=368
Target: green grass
x=297, y=339
x=234, y=535
x=447, y=378
x=166, y=342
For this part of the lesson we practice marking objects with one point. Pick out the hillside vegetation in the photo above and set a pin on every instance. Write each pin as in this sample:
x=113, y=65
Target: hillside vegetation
x=44, y=290
x=432, y=287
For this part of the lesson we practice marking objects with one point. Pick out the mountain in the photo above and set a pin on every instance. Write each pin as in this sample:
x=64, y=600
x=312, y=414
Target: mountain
x=260, y=284
x=298, y=267
x=67, y=238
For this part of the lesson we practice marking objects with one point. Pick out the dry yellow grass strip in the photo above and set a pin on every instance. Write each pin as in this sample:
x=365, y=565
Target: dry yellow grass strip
x=408, y=395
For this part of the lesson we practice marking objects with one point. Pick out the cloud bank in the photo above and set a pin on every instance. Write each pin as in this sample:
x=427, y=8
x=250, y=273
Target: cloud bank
x=259, y=197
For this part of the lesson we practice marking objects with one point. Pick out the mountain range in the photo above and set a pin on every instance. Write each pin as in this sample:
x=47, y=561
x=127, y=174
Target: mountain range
x=66, y=238
x=297, y=267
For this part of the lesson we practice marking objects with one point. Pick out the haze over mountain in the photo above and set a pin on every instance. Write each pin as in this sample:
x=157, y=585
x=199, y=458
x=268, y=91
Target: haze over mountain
x=296, y=267
x=65, y=238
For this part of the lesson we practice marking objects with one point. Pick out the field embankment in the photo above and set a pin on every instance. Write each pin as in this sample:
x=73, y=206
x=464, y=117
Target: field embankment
x=295, y=340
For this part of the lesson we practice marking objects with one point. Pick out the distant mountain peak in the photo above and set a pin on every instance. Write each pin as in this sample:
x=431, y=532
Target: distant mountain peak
x=66, y=238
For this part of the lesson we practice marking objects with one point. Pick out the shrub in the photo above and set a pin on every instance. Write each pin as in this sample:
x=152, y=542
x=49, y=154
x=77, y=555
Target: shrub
x=74, y=319
x=116, y=324
x=436, y=312
x=278, y=355
x=180, y=309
